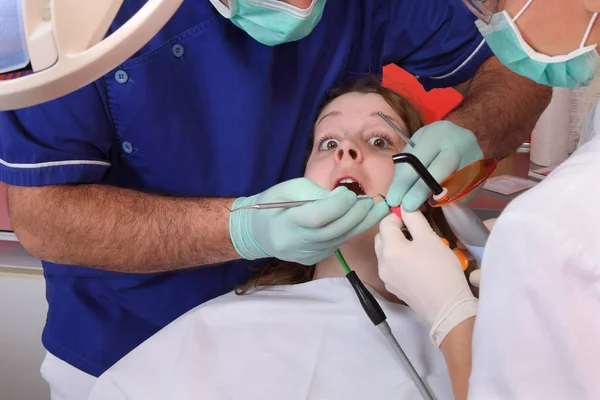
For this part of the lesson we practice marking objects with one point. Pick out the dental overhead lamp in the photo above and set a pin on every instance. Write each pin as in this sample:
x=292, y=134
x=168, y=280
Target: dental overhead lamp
x=49, y=48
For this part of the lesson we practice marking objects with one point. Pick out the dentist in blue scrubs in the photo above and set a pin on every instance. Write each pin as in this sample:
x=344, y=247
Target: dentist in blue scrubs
x=122, y=187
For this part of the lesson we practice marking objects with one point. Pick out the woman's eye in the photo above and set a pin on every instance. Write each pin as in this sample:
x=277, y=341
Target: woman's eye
x=379, y=142
x=329, y=144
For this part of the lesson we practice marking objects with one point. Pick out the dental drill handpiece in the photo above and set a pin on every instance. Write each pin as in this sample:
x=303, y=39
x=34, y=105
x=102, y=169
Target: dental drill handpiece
x=379, y=319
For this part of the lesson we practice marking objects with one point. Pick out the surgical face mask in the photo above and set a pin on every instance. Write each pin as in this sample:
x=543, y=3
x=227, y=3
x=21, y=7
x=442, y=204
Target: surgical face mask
x=272, y=22
x=570, y=70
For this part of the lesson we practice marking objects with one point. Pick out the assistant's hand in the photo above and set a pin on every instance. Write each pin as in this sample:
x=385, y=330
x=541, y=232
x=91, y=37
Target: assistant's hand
x=305, y=234
x=444, y=148
x=424, y=273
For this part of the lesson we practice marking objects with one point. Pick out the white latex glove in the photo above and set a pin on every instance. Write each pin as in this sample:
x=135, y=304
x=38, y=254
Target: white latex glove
x=424, y=273
x=475, y=278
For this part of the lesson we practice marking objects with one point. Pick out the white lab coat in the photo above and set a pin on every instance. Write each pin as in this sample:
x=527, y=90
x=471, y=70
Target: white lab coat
x=307, y=341
x=537, y=333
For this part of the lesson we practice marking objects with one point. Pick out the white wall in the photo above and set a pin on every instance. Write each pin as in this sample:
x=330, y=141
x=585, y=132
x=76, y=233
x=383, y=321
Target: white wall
x=23, y=310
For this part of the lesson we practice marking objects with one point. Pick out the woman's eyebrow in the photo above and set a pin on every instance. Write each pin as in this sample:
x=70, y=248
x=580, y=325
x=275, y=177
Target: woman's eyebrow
x=329, y=114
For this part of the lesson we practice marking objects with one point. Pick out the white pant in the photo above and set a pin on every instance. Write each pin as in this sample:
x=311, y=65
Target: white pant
x=66, y=382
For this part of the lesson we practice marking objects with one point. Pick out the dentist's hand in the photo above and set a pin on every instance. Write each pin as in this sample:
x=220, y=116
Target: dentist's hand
x=443, y=147
x=305, y=234
x=424, y=273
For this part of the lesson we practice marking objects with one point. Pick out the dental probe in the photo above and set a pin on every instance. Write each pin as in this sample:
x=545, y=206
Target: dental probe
x=290, y=204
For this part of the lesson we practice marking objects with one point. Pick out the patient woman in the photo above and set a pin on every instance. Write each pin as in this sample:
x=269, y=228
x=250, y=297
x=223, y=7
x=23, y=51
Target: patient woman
x=297, y=332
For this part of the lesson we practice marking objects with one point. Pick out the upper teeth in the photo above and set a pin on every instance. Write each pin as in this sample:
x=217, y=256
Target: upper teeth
x=347, y=180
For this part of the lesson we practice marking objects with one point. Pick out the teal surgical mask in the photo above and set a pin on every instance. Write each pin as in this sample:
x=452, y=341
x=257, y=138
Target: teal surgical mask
x=272, y=22
x=571, y=70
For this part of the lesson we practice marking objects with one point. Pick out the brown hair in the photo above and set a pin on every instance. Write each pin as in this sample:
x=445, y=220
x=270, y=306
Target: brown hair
x=401, y=105
x=280, y=272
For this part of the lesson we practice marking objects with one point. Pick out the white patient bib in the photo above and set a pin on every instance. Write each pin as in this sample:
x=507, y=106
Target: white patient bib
x=308, y=341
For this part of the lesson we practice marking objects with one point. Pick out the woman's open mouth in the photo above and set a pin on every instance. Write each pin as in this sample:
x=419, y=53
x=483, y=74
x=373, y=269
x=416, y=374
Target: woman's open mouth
x=352, y=185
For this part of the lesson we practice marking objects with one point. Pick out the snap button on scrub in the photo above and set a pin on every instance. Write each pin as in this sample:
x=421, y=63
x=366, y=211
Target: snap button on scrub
x=121, y=76
x=127, y=147
x=178, y=50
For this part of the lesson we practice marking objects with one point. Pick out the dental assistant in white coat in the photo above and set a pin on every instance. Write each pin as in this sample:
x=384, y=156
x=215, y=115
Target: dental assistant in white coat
x=537, y=332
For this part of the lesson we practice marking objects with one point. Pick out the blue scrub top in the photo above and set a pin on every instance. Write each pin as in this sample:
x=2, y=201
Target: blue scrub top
x=204, y=110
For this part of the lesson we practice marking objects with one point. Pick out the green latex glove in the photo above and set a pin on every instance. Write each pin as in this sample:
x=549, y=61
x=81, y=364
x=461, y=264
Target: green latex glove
x=443, y=147
x=305, y=234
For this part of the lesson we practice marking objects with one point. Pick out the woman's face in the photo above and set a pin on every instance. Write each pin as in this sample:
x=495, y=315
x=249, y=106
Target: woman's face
x=555, y=27
x=353, y=146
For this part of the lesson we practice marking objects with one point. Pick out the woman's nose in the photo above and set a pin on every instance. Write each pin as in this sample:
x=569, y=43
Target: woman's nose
x=349, y=153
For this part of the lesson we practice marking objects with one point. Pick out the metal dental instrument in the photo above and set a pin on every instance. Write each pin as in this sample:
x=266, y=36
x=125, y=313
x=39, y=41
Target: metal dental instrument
x=290, y=204
x=398, y=131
